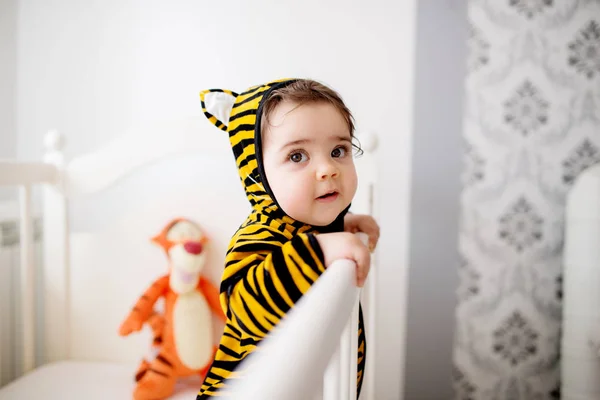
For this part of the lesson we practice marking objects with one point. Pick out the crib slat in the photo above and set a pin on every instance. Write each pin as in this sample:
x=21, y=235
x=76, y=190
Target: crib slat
x=331, y=379
x=27, y=278
x=345, y=357
x=369, y=293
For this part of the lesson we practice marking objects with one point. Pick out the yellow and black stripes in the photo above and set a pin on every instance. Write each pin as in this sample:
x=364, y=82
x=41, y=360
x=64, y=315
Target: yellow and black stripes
x=266, y=272
x=270, y=283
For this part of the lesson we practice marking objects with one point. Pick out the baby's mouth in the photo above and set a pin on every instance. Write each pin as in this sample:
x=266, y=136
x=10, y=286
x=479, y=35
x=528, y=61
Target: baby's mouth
x=329, y=196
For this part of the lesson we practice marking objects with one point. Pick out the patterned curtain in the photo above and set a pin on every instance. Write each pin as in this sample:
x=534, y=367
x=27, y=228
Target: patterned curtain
x=532, y=124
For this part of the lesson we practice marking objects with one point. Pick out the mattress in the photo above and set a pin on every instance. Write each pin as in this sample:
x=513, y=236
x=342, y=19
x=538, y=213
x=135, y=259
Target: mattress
x=74, y=380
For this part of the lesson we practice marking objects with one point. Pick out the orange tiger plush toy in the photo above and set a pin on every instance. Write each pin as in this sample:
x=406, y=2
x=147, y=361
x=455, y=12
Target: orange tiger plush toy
x=183, y=334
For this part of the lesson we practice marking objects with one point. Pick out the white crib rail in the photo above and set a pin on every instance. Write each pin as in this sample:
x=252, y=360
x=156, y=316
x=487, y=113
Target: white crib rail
x=314, y=347
x=25, y=176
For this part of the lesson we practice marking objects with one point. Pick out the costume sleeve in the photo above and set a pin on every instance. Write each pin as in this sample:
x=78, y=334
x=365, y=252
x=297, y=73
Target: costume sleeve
x=265, y=277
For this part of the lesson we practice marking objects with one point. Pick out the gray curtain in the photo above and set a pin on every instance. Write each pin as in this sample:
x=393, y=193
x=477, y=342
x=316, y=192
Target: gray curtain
x=532, y=124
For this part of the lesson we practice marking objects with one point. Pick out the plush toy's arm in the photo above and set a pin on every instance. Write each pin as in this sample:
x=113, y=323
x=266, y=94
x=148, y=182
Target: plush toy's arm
x=144, y=306
x=266, y=287
x=212, y=297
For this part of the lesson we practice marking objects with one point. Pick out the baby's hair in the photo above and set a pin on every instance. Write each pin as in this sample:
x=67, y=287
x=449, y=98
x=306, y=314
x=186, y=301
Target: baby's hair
x=305, y=91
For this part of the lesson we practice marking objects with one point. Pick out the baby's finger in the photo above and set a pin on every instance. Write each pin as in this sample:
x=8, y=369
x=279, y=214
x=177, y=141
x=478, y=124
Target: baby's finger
x=373, y=239
x=363, y=263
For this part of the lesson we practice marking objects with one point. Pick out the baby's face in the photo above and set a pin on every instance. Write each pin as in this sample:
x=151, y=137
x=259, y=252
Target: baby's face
x=307, y=156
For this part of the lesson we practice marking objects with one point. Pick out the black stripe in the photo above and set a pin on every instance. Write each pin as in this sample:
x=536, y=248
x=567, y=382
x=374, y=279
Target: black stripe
x=299, y=268
x=274, y=294
x=231, y=353
x=222, y=91
x=238, y=149
x=258, y=229
x=314, y=243
x=242, y=128
x=260, y=247
x=226, y=365
x=229, y=335
x=249, y=342
x=243, y=326
x=222, y=364
x=231, y=262
x=271, y=321
x=248, y=239
x=257, y=295
x=228, y=284
x=304, y=253
x=251, y=111
x=213, y=376
x=245, y=161
x=234, y=330
x=252, y=318
x=249, y=92
x=248, y=99
x=285, y=277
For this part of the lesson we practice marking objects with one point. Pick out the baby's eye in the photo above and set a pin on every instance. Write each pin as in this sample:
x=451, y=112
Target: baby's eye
x=338, y=152
x=297, y=157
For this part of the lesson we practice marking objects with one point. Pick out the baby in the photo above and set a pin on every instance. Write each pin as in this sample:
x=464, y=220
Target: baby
x=293, y=141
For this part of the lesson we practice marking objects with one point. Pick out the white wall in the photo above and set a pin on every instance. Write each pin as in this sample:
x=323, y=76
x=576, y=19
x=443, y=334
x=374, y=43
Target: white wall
x=8, y=59
x=90, y=68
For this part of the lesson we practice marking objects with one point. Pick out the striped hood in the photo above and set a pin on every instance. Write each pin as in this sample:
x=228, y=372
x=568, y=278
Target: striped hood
x=240, y=116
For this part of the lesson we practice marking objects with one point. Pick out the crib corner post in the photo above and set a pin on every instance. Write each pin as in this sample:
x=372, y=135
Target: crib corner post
x=55, y=237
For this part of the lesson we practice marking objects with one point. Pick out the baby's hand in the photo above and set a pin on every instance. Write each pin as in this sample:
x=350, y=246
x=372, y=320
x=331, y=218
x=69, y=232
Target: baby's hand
x=363, y=223
x=345, y=245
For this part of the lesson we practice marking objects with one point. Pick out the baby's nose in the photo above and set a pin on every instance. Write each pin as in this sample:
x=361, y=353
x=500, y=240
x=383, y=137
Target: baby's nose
x=327, y=172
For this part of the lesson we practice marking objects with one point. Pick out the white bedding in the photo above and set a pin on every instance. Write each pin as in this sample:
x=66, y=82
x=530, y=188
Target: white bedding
x=73, y=380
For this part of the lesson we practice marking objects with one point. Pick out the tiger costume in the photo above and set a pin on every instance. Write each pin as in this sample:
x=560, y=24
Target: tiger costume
x=272, y=259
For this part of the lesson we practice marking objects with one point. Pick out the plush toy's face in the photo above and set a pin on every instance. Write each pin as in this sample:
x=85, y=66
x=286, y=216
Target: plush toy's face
x=185, y=245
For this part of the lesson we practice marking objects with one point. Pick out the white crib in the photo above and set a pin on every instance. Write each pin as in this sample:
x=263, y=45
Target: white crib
x=580, y=344
x=99, y=211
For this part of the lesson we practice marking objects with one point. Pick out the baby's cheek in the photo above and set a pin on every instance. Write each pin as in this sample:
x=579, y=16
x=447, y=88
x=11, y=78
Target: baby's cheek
x=290, y=203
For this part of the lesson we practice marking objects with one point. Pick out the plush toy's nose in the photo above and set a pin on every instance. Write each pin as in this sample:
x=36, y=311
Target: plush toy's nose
x=193, y=247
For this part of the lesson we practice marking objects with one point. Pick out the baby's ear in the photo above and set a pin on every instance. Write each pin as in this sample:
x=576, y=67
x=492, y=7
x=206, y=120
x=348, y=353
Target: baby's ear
x=217, y=105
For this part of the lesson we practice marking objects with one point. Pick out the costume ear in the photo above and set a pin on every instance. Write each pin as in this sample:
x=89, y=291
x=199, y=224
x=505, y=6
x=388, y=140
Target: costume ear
x=217, y=105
